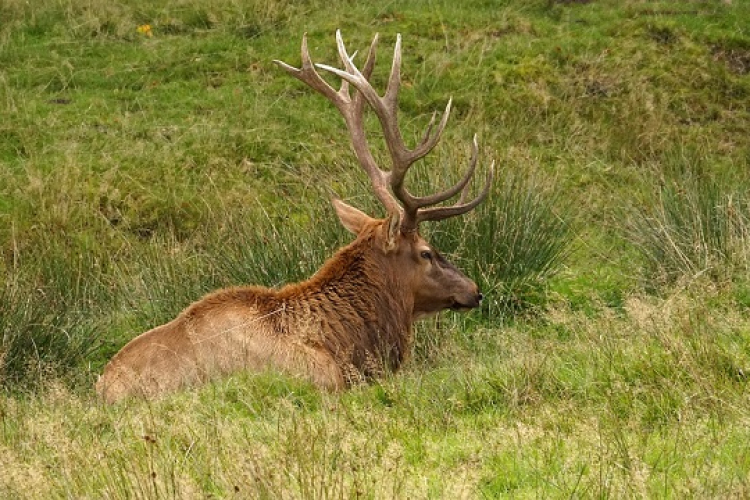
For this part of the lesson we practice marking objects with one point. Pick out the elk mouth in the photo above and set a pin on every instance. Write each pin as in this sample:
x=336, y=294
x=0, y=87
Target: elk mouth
x=468, y=305
x=463, y=306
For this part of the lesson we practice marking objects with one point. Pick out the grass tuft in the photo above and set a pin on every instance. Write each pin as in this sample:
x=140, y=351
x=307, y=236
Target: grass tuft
x=48, y=325
x=693, y=226
x=513, y=243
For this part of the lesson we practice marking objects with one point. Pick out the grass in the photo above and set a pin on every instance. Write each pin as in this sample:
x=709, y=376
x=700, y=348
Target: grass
x=141, y=168
x=694, y=225
x=639, y=412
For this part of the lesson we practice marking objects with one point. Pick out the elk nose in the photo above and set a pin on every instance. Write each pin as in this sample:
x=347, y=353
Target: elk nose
x=479, y=297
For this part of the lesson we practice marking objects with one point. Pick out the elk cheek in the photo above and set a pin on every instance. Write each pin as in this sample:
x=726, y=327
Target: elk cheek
x=433, y=303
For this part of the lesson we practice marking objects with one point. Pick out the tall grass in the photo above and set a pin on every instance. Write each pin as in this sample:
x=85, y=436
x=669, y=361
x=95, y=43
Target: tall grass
x=102, y=20
x=513, y=243
x=74, y=304
x=693, y=225
x=243, y=248
x=49, y=321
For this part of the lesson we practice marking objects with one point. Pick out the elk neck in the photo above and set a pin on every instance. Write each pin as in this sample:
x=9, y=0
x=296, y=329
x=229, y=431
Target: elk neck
x=357, y=277
x=363, y=304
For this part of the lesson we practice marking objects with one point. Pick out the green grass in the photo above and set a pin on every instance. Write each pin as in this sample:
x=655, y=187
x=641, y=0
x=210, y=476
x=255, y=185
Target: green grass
x=139, y=172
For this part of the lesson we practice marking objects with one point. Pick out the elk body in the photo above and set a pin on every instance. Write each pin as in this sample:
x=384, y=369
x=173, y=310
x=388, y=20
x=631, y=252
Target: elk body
x=353, y=319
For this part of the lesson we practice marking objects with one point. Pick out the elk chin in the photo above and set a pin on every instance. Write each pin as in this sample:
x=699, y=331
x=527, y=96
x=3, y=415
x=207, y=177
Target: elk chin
x=455, y=306
x=461, y=308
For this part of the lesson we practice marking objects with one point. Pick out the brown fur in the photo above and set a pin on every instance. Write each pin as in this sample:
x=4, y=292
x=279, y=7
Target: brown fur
x=350, y=321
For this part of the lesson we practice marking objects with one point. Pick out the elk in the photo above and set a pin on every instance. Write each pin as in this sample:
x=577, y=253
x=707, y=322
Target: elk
x=352, y=320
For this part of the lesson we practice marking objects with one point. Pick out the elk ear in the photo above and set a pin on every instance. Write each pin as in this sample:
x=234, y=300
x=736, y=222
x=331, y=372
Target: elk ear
x=351, y=218
x=393, y=226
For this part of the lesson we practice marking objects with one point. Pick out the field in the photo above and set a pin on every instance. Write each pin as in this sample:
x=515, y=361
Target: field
x=151, y=152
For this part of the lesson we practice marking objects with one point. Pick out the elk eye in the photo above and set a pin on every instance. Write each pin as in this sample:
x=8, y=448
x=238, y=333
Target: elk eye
x=426, y=254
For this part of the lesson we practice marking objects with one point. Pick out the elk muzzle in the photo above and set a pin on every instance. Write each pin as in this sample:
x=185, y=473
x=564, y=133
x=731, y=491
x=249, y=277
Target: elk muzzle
x=467, y=302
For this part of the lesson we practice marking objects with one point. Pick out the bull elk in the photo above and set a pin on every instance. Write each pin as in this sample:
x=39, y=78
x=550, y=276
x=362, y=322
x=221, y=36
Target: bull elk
x=350, y=321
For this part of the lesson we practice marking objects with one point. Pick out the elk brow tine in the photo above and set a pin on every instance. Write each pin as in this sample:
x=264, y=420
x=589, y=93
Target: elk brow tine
x=460, y=186
x=440, y=213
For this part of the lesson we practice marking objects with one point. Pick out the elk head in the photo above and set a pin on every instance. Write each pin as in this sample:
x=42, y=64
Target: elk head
x=435, y=283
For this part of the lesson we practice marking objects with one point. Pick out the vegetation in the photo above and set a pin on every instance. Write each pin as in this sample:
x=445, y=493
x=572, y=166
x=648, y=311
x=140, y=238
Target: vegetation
x=694, y=226
x=151, y=152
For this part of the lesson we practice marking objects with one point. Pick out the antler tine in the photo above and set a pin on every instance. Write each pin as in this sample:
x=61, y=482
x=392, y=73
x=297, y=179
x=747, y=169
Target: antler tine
x=461, y=186
x=402, y=157
x=383, y=108
x=367, y=70
x=386, y=109
x=440, y=213
x=349, y=60
x=350, y=108
x=308, y=75
x=353, y=75
x=394, y=81
x=370, y=60
x=430, y=140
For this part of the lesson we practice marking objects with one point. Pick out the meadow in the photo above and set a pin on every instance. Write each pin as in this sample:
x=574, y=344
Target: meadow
x=151, y=152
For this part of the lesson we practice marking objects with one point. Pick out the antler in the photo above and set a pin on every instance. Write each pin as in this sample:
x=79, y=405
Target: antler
x=385, y=107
